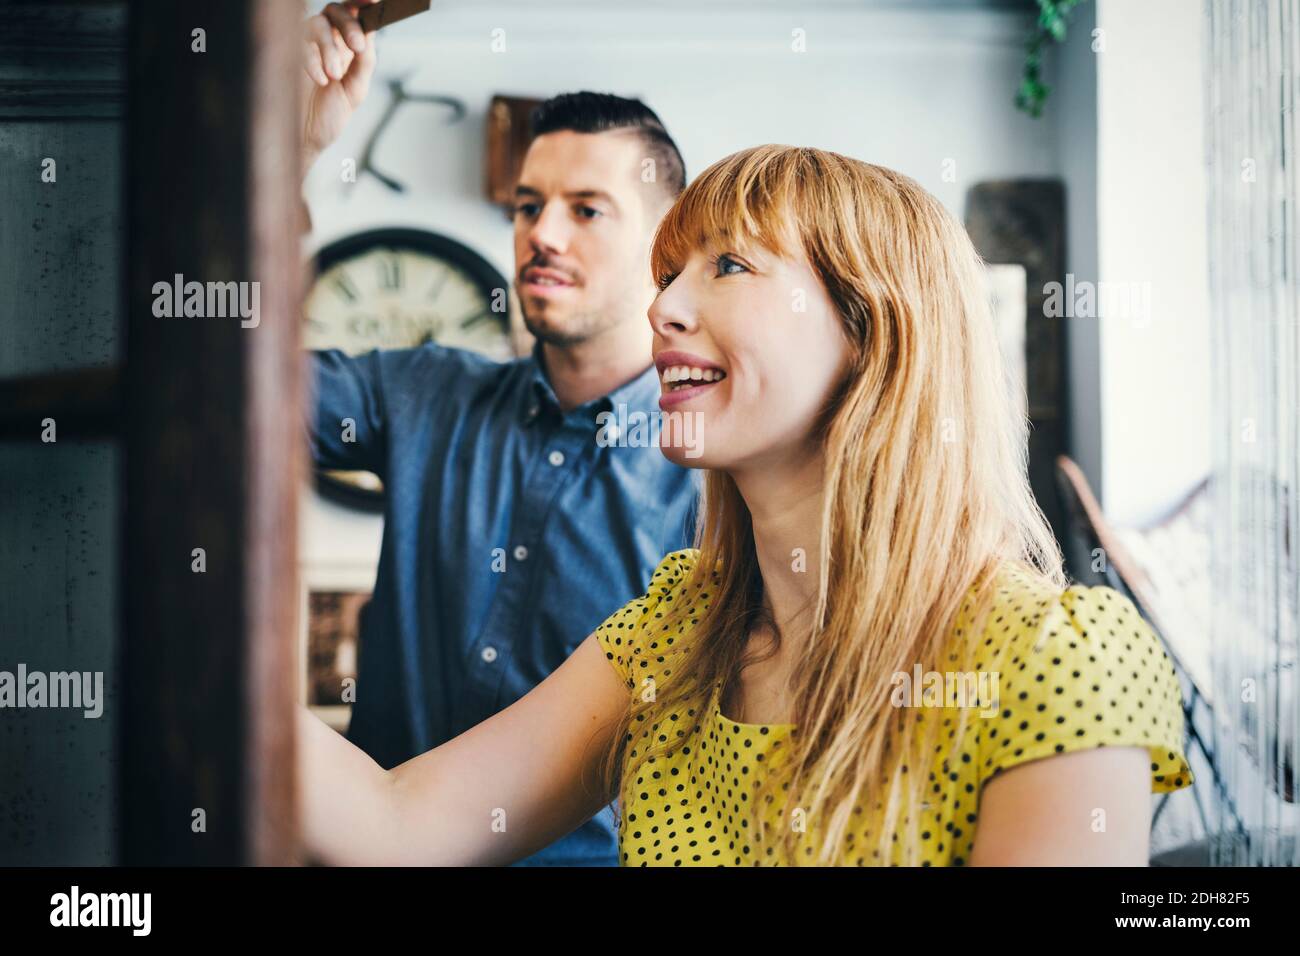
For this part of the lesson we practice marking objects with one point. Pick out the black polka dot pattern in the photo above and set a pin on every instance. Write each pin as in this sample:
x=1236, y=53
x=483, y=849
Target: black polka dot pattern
x=1076, y=669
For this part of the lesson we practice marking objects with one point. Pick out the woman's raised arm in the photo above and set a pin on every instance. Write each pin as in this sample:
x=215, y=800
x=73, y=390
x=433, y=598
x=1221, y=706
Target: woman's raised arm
x=497, y=793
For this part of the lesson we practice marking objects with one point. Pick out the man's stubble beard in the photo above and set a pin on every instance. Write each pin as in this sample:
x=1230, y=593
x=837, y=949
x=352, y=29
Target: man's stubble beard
x=573, y=330
x=576, y=330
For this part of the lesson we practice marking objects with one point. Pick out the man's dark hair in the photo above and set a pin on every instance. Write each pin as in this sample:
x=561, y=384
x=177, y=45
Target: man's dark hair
x=587, y=112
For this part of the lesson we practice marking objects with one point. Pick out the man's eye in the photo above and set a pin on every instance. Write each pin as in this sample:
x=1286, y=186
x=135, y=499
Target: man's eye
x=588, y=212
x=526, y=209
x=728, y=266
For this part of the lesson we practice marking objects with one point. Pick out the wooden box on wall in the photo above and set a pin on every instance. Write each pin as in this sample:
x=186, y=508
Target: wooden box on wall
x=509, y=132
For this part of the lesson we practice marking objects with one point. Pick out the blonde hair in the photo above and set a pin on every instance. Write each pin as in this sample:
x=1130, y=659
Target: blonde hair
x=925, y=490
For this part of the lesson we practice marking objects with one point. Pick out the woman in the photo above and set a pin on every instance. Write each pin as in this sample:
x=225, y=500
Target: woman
x=798, y=689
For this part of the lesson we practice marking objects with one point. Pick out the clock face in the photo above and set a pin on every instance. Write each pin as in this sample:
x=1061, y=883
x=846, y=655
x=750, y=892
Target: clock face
x=399, y=288
x=386, y=294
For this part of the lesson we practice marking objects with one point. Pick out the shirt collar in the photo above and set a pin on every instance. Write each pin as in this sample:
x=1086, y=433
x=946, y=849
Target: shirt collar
x=638, y=394
x=538, y=395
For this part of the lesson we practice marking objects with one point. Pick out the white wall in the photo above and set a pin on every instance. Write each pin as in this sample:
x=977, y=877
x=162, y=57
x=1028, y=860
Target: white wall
x=1151, y=186
x=905, y=85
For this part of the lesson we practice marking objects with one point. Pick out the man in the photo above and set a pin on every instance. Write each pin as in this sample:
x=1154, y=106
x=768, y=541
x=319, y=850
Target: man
x=510, y=532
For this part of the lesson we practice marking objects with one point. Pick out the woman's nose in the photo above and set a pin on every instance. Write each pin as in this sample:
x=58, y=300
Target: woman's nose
x=671, y=312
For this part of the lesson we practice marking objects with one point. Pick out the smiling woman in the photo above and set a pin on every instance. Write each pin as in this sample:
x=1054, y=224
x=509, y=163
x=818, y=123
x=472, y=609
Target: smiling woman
x=866, y=514
x=863, y=426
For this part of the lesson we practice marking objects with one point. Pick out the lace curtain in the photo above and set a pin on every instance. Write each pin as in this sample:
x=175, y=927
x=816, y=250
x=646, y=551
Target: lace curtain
x=1252, y=59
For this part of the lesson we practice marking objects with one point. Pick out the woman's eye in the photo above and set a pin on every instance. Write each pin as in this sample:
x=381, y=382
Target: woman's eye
x=526, y=209
x=728, y=266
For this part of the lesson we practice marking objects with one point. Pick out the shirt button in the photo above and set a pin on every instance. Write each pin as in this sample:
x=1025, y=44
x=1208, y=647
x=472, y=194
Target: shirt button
x=533, y=410
x=556, y=458
x=520, y=552
x=489, y=654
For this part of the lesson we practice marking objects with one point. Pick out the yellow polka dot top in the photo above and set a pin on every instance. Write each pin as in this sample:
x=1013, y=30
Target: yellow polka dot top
x=1078, y=669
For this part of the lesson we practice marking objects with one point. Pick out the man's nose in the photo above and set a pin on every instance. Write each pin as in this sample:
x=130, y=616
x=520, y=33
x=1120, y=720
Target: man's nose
x=549, y=233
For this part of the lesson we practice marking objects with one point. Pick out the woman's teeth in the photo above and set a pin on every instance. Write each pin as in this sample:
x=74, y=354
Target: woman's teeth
x=686, y=376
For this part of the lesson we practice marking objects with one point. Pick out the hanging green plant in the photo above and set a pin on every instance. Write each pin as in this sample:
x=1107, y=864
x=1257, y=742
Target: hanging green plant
x=1053, y=19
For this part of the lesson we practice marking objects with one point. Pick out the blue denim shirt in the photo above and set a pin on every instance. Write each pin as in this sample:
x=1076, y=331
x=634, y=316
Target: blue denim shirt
x=510, y=533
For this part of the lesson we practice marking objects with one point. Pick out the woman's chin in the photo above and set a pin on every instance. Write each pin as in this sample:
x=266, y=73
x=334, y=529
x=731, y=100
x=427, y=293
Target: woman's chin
x=686, y=455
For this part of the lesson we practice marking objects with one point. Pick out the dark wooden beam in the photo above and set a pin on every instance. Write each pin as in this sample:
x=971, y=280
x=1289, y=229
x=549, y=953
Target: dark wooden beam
x=213, y=437
x=83, y=403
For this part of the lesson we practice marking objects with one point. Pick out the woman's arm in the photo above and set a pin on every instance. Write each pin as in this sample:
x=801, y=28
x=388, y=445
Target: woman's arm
x=500, y=791
x=1086, y=808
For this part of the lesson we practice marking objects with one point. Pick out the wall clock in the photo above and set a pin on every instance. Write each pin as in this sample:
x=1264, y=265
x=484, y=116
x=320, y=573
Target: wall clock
x=399, y=288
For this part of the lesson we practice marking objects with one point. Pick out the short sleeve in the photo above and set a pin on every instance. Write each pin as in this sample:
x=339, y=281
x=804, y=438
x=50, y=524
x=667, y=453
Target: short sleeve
x=1087, y=671
x=630, y=636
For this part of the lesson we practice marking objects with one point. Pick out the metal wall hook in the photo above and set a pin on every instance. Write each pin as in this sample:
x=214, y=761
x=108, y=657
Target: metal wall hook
x=398, y=96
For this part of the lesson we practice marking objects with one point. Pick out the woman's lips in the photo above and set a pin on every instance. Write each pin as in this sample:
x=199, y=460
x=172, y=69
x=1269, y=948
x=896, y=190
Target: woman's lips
x=684, y=376
x=669, y=399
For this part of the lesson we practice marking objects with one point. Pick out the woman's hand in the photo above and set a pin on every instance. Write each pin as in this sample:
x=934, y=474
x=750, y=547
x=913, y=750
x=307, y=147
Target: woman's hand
x=338, y=63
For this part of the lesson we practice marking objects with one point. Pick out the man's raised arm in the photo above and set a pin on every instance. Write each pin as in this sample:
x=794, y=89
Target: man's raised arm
x=345, y=419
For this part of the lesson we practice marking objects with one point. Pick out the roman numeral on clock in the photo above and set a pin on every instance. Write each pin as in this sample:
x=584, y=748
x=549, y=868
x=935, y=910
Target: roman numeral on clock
x=390, y=272
x=343, y=285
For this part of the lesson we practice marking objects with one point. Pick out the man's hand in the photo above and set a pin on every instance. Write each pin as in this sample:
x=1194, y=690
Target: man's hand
x=338, y=62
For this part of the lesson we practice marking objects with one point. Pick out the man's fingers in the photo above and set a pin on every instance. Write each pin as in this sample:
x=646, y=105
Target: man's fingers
x=345, y=21
x=367, y=56
x=357, y=82
x=321, y=34
x=335, y=42
x=312, y=64
x=344, y=52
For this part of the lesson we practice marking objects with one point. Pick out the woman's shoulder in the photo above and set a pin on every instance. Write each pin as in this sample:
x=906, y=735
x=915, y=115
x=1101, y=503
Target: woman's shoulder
x=1077, y=667
x=1028, y=611
x=639, y=637
x=674, y=569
